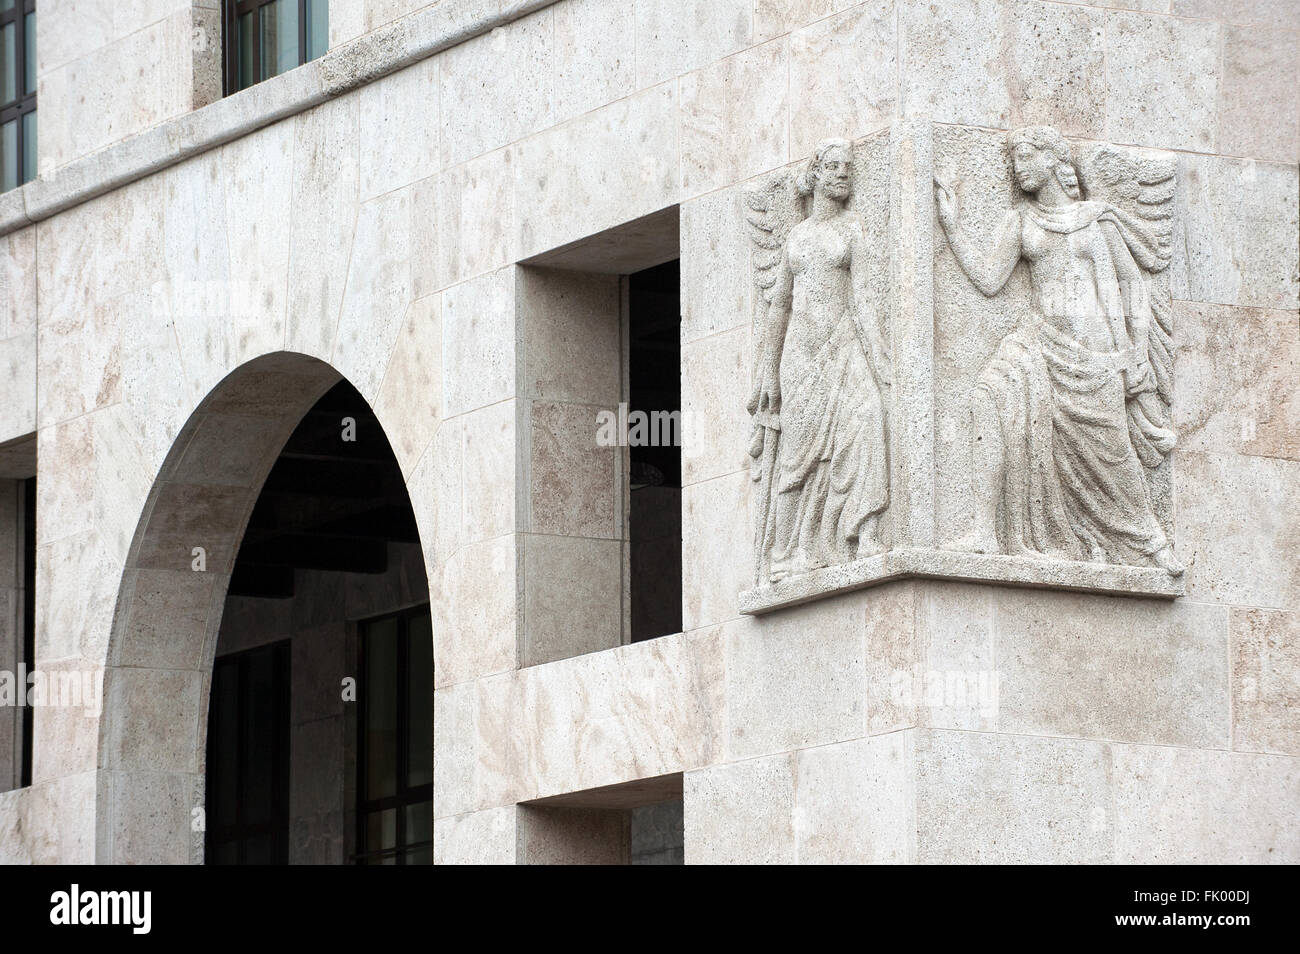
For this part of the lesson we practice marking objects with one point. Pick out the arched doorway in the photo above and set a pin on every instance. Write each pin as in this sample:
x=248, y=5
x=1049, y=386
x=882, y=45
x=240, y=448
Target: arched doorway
x=250, y=514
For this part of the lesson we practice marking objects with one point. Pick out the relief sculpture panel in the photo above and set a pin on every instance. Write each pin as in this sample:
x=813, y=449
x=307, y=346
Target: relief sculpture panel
x=821, y=385
x=1070, y=417
x=968, y=377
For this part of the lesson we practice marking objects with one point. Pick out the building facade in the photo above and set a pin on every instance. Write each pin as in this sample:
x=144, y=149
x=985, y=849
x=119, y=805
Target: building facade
x=796, y=430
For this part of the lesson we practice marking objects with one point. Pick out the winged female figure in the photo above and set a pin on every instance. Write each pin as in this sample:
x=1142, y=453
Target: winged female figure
x=1072, y=411
x=822, y=373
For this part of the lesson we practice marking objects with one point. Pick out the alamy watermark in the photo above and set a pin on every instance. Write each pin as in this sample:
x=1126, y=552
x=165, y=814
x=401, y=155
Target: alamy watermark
x=60, y=688
x=628, y=428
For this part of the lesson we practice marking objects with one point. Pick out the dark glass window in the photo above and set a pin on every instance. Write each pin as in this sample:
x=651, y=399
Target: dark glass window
x=654, y=386
x=395, y=744
x=264, y=38
x=248, y=758
x=17, y=92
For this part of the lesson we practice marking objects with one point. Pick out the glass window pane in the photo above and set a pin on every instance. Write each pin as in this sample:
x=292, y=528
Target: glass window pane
x=245, y=40
x=381, y=833
x=419, y=681
x=419, y=823
x=381, y=701
x=6, y=5
x=259, y=711
x=223, y=853
x=8, y=155
x=8, y=62
x=279, y=37
x=318, y=28
x=223, y=770
x=29, y=56
x=29, y=147
x=259, y=850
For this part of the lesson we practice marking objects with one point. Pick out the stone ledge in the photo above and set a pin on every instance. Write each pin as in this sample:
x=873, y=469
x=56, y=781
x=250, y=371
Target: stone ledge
x=387, y=49
x=967, y=567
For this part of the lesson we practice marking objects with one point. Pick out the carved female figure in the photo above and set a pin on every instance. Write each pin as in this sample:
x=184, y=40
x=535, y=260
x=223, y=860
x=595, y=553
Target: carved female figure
x=818, y=405
x=1074, y=403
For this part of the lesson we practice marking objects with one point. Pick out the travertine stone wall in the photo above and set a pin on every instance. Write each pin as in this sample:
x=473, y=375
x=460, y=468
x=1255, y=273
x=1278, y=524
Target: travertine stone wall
x=105, y=71
x=18, y=325
x=383, y=240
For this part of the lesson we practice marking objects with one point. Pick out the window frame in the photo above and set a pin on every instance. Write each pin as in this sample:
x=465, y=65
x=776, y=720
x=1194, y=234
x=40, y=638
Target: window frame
x=231, y=11
x=404, y=796
x=28, y=624
x=281, y=652
x=24, y=102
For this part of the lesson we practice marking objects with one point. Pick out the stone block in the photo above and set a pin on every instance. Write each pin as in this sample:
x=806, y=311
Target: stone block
x=595, y=55
x=627, y=167
x=573, y=481
x=572, y=597
x=1239, y=223
x=490, y=475
x=843, y=76
x=1003, y=799
x=673, y=37
x=1238, y=519
x=475, y=217
x=478, y=342
x=410, y=396
x=855, y=802
x=734, y=118
x=797, y=680
x=741, y=813
x=475, y=612
x=1258, y=113
x=400, y=127
x=478, y=838
x=1192, y=806
x=1265, y=681
x=1163, y=81
x=716, y=430
x=484, y=105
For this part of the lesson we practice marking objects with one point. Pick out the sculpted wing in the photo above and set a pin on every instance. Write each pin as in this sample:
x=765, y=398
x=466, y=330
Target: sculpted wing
x=772, y=208
x=1140, y=187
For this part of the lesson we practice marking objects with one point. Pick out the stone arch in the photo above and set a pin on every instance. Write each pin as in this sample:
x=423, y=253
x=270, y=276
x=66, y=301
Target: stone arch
x=168, y=612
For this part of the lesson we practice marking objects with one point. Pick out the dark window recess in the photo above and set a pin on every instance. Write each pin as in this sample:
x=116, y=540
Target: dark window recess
x=264, y=38
x=654, y=388
x=395, y=741
x=248, y=758
x=17, y=92
x=29, y=617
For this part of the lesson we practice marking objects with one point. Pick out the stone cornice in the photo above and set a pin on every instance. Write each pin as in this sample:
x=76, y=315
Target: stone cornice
x=363, y=60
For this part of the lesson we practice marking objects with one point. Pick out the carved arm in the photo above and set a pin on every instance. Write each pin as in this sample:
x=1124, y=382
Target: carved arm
x=987, y=273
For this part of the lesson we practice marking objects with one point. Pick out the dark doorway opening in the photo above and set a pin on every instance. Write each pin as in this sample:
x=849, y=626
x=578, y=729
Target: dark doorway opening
x=330, y=562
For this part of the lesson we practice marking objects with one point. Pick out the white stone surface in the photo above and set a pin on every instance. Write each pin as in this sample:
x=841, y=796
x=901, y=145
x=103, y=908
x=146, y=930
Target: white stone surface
x=335, y=221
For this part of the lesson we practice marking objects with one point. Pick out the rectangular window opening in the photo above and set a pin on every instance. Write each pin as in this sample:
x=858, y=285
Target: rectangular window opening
x=264, y=38
x=654, y=399
x=395, y=740
x=248, y=758
x=17, y=93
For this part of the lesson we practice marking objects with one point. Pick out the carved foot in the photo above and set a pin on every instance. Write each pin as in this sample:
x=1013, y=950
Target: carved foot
x=869, y=547
x=976, y=542
x=1166, y=560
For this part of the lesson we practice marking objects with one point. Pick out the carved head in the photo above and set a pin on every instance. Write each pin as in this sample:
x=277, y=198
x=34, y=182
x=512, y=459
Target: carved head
x=1039, y=154
x=830, y=171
